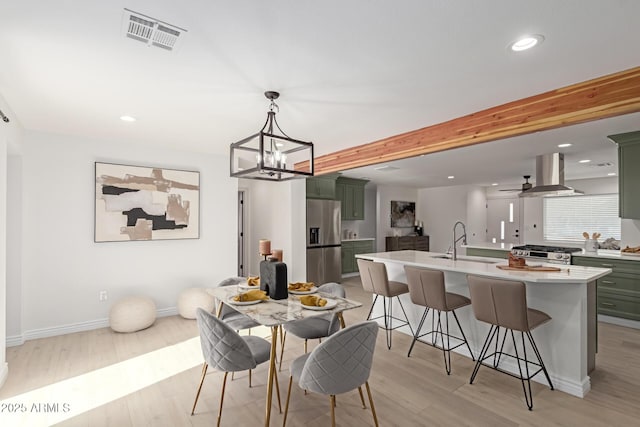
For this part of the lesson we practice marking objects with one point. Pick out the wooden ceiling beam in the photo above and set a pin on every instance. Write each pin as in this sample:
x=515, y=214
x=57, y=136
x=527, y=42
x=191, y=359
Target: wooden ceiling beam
x=600, y=98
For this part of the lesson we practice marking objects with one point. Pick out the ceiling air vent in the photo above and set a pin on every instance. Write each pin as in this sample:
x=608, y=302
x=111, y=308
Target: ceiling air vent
x=151, y=31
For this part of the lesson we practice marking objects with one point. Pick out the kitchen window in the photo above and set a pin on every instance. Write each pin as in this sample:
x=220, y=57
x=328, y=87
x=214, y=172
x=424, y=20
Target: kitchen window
x=566, y=218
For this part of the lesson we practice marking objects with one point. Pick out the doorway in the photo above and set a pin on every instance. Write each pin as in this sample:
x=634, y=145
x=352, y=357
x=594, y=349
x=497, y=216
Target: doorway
x=241, y=233
x=503, y=220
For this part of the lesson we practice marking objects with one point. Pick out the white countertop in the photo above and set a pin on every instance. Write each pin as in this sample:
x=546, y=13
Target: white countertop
x=359, y=239
x=466, y=264
x=490, y=245
x=610, y=254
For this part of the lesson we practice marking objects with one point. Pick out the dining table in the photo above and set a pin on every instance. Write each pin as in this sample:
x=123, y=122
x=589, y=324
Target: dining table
x=275, y=313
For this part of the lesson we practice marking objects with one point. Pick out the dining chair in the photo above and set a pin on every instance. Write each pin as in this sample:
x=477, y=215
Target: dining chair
x=225, y=350
x=316, y=327
x=339, y=364
x=503, y=304
x=427, y=289
x=231, y=317
x=375, y=280
x=236, y=320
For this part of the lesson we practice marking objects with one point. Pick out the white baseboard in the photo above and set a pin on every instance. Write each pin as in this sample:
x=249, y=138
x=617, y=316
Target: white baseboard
x=4, y=373
x=619, y=321
x=15, y=340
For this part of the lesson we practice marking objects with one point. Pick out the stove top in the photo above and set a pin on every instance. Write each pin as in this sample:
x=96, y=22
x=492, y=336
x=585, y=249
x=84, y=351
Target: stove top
x=553, y=254
x=548, y=249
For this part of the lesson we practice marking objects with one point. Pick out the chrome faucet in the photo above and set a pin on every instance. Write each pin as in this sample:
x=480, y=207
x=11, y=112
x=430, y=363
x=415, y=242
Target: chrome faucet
x=463, y=237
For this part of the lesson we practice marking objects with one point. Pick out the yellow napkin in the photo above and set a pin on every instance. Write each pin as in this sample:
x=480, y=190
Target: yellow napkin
x=252, y=295
x=313, y=300
x=253, y=281
x=301, y=286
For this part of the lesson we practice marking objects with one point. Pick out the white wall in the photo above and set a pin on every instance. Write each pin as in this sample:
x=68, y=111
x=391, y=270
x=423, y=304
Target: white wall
x=476, y=221
x=3, y=257
x=385, y=195
x=10, y=146
x=277, y=212
x=14, y=245
x=64, y=269
x=440, y=208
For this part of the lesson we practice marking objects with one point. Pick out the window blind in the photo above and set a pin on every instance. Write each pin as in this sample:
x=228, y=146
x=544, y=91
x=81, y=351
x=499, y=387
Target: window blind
x=566, y=218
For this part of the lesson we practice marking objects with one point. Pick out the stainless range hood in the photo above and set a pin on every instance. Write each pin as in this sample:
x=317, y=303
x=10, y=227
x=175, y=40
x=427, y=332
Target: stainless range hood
x=550, y=178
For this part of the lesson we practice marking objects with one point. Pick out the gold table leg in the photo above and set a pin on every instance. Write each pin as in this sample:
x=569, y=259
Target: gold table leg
x=272, y=373
x=342, y=324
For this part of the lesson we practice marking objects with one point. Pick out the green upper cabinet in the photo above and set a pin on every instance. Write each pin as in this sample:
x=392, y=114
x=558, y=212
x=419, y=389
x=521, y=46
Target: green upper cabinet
x=629, y=173
x=350, y=192
x=322, y=187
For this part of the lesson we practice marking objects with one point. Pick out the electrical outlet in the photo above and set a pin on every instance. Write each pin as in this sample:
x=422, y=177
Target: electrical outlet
x=102, y=296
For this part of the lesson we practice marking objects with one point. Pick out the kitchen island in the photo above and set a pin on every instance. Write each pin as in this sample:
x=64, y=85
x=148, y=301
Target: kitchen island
x=567, y=342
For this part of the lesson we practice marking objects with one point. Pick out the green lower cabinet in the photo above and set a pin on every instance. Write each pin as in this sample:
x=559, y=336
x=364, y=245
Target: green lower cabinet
x=348, y=258
x=617, y=305
x=618, y=292
x=349, y=252
x=488, y=253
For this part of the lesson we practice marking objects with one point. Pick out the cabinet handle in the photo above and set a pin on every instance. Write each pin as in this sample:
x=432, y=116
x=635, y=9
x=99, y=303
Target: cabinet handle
x=607, y=304
x=608, y=282
x=607, y=265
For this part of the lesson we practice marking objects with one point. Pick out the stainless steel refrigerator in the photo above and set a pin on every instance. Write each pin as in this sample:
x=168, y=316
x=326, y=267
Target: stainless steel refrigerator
x=324, y=246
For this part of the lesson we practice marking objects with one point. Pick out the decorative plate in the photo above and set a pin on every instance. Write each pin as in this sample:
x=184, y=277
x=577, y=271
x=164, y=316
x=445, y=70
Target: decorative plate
x=245, y=286
x=230, y=300
x=313, y=290
x=331, y=303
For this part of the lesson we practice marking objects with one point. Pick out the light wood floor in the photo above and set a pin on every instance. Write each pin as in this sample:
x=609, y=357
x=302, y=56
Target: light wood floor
x=407, y=391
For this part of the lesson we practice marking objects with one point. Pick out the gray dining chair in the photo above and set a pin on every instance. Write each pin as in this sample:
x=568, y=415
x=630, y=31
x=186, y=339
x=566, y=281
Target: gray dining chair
x=225, y=350
x=236, y=320
x=339, y=364
x=231, y=317
x=316, y=327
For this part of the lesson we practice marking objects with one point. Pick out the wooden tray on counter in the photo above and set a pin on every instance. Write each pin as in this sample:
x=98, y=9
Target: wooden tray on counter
x=529, y=268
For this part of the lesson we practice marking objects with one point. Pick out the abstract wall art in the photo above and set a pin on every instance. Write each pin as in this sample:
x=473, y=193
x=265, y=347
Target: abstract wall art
x=403, y=214
x=142, y=203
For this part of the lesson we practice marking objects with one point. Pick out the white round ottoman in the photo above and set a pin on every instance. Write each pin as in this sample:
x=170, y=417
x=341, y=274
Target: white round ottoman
x=193, y=298
x=131, y=314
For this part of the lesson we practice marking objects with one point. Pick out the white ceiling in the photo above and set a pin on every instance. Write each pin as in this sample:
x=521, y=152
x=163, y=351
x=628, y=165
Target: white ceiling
x=349, y=72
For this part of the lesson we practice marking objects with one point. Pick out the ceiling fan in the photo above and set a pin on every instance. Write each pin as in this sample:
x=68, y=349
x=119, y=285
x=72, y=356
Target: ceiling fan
x=525, y=185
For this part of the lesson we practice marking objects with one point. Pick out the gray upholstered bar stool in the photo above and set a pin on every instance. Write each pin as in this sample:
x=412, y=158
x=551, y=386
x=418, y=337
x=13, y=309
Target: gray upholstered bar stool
x=503, y=304
x=426, y=288
x=374, y=279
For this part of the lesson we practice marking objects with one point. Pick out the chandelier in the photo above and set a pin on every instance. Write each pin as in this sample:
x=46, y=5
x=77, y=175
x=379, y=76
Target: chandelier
x=270, y=156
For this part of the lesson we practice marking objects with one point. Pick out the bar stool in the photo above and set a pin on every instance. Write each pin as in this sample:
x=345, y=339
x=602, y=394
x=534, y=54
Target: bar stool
x=426, y=288
x=374, y=279
x=503, y=304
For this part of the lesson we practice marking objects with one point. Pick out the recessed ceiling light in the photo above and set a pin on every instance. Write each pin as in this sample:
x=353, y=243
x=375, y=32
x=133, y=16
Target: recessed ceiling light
x=451, y=177
x=526, y=42
x=279, y=144
x=584, y=161
x=494, y=184
x=564, y=145
x=611, y=174
x=127, y=119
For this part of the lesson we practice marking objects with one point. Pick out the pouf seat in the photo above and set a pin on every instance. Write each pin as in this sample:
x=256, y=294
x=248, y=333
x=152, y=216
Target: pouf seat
x=131, y=314
x=191, y=299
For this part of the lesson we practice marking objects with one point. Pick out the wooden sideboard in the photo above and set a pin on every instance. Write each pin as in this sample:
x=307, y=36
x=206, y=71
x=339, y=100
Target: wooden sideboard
x=402, y=243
